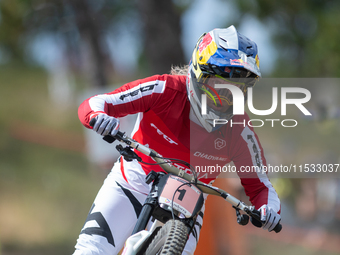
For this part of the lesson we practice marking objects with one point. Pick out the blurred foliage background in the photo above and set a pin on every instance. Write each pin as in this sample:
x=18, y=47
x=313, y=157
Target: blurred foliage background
x=54, y=52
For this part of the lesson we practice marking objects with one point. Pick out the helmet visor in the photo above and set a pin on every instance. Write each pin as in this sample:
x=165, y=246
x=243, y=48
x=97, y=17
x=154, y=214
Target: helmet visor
x=220, y=100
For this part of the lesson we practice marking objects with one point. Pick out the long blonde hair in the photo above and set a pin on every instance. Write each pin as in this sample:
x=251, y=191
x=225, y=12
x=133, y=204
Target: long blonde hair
x=179, y=70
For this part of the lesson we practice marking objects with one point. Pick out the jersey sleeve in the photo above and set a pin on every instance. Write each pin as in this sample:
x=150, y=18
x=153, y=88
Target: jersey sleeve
x=248, y=157
x=137, y=96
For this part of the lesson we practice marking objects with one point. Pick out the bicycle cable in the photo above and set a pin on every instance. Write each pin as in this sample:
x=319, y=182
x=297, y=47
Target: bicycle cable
x=173, y=160
x=180, y=161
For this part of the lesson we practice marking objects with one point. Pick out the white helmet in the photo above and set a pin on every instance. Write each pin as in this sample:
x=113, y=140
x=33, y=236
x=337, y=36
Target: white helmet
x=220, y=56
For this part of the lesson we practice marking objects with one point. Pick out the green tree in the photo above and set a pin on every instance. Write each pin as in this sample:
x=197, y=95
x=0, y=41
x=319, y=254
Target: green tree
x=305, y=34
x=84, y=27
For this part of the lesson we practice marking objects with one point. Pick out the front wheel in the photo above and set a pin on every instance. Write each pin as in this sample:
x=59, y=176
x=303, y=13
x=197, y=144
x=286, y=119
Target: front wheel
x=170, y=240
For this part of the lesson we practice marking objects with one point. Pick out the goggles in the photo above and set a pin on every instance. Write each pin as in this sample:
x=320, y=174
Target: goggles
x=220, y=99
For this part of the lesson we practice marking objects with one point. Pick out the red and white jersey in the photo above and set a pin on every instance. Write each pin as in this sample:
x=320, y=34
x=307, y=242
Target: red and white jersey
x=164, y=125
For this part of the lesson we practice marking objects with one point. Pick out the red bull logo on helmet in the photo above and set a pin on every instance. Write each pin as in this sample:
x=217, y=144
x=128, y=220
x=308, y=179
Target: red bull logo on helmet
x=206, y=48
x=207, y=39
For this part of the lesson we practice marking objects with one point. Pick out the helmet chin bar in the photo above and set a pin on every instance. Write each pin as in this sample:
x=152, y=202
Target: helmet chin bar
x=197, y=112
x=206, y=120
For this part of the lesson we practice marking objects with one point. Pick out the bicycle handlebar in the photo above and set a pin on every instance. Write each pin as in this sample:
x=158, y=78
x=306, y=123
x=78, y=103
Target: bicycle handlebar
x=208, y=189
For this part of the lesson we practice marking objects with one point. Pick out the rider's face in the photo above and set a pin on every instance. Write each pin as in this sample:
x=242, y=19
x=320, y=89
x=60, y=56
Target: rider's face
x=219, y=99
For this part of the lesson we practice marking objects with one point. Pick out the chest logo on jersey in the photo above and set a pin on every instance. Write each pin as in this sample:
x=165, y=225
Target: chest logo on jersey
x=167, y=138
x=136, y=92
x=208, y=156
x=219, y=144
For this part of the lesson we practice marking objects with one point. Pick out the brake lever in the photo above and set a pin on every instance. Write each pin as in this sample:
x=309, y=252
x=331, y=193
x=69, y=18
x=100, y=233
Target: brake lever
x=127, y=153
x=242, y=219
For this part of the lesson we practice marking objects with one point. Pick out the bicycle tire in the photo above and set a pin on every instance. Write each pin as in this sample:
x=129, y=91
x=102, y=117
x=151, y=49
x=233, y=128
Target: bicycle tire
x=170, y=239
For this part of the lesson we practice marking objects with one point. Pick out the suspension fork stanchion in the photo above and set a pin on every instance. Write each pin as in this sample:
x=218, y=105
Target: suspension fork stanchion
x=143, y=218
x=148, y=207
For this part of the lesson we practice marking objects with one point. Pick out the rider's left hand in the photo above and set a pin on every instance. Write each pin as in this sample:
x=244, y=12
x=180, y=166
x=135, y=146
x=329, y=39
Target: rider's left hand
x=269, y=216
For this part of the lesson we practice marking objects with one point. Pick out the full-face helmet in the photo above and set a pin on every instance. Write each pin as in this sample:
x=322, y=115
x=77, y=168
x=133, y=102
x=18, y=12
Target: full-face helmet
x=222, y=56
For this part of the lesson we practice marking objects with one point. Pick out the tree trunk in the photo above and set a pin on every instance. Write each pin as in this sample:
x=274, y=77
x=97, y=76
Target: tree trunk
x=89, y=27
x=162, y=35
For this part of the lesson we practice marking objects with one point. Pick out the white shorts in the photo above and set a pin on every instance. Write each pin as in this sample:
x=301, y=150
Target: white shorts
x=115, y=210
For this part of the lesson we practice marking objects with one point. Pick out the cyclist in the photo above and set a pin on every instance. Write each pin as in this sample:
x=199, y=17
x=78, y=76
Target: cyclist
x=170, y=121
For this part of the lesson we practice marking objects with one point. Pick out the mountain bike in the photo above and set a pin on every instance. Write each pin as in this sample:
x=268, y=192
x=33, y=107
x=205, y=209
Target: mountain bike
x=173, y=203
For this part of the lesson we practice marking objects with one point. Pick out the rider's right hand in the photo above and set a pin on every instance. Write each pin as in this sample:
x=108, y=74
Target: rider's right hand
x=106, y=125
x=269, y=217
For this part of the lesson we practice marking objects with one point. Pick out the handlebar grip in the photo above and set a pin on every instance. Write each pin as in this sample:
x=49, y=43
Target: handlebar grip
x=278, y=228
x=92, y=122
